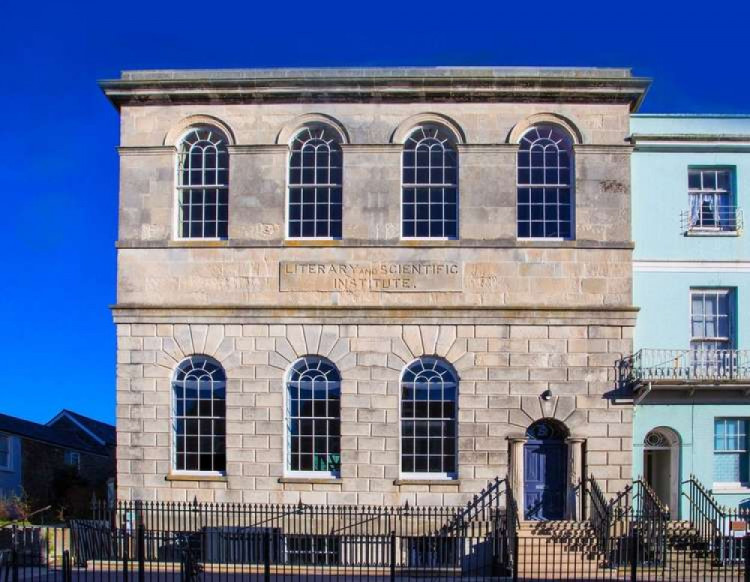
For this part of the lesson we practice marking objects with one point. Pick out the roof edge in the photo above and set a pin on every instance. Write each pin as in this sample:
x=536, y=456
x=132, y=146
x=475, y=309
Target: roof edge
x=472, y=85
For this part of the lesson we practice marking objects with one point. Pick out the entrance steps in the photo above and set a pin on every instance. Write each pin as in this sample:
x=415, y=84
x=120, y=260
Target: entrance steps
x=560, y=547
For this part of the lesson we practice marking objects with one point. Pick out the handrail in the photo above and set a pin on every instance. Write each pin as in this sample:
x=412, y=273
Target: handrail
x=484, y=505
x=711, y=521
x=651, y=517
x=599, y=512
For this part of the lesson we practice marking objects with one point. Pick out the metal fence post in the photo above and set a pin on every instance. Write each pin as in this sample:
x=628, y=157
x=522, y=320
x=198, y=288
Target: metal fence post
x=267, y=556
x=515, y=558
x=393, y=556
x=746, y=558
x=14, y=563
x=141, y=535
x=67, y=573
x=125, y=564
x=634, y=540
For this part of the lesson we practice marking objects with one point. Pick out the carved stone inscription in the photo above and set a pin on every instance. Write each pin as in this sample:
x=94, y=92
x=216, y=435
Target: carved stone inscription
x=360, y=277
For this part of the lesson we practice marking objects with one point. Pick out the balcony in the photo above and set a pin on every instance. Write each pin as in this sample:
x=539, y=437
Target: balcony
x=687, y=367
x=711, y=221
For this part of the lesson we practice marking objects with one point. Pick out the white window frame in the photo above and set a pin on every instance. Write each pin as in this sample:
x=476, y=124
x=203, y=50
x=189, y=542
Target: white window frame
x=179, y=187
x=728, y=293
x=325, y=133
x=287, y=401
x=449, y=141
x=73, y=459
x=428, y=475
x=716, y=193
x=9, y=440
x=570, y=185
x=191, y=361
x=744, y=451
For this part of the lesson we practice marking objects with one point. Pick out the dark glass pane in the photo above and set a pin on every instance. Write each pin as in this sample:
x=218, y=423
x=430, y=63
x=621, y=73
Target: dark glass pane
x=408, y=228
x=308, y=229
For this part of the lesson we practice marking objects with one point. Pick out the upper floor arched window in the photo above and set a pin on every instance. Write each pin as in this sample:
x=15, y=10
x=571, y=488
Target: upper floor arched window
x=545, y=183
x=314, y=416
x=429, y=397
x=429, y=207
x=315, y=176
x=203, y=184
x=199, y=389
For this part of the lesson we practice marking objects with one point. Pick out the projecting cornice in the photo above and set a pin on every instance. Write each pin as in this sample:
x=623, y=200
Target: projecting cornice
x=382, y=85
x=697, y=142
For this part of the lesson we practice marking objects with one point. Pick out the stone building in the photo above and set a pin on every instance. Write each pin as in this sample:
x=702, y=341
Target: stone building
x=373, y=286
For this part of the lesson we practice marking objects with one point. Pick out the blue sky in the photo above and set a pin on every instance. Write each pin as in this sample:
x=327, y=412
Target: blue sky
x=59, y=134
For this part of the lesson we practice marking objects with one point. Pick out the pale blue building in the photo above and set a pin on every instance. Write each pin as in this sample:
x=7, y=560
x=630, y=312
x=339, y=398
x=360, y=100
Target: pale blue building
x=691, y=367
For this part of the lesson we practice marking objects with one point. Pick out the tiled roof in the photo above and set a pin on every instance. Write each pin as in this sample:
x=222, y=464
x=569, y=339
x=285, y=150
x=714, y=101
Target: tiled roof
x=104, y=431
x=68, y=439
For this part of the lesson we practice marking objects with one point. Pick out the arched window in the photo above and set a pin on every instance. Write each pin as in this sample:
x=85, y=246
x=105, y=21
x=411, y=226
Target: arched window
x=429, y=394
x=430, y=184
x=199, y=388
x=315, y=163
x=203, y=184
x=314, y=416
x=545, y=183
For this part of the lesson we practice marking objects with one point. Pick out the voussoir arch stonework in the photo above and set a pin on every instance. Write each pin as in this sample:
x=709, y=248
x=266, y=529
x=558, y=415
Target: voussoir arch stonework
x=524, y=125
x=292, y=128
x=404, y=129
x=176, y=132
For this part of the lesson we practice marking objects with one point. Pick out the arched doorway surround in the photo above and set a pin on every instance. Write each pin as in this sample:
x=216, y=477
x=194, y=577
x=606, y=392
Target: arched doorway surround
x=661, y=466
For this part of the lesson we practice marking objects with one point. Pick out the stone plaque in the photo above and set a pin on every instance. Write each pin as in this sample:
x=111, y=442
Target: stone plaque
x=364, y=277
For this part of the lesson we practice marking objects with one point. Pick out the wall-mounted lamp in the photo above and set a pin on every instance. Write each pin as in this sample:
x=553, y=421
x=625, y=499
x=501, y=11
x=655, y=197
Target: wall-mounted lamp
x=547, y=394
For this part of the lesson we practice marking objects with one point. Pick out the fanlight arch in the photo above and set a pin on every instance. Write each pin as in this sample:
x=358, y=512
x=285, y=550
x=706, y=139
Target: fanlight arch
x=199, y=393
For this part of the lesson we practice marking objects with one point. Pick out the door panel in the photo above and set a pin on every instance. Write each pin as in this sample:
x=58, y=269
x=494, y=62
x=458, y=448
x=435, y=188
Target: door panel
x=544, y=480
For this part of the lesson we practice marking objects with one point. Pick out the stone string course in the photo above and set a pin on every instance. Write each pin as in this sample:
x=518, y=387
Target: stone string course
x=503, y=370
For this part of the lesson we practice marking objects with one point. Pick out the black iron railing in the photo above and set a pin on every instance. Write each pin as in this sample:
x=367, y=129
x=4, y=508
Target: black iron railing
x=717, y=529
x=597, y=511
x=685, y=365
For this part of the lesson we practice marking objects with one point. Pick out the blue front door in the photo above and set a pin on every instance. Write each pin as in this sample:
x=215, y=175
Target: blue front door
x=544, y=479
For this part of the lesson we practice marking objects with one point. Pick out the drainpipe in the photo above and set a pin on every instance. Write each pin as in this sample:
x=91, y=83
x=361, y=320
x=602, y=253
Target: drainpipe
x=642, y=395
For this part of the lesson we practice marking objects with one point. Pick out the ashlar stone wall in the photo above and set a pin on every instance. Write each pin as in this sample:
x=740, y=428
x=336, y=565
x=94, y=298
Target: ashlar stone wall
x=503, y=369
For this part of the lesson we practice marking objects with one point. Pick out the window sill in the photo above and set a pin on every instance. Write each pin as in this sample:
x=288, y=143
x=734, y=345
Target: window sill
x=708, y=232
x=450, y=482
x=195, y=477
x=199, y=242
x=311, y=480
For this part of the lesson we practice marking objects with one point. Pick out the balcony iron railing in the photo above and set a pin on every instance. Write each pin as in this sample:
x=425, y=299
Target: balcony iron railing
x=688, y=365
x=718, y=219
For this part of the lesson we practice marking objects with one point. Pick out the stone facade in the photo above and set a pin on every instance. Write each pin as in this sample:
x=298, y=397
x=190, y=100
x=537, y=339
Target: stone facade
x=514, y=317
